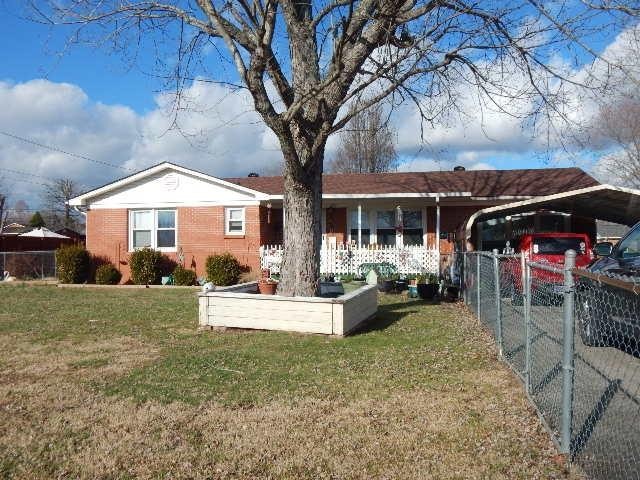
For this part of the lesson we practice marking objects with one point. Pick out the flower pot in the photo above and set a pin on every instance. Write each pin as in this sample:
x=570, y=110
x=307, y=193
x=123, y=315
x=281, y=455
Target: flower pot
x=401, y=285
x=427, y=291
x=386, y=285
x=267, y=288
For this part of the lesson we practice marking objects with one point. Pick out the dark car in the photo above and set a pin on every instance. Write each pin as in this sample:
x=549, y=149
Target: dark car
x=609, y=315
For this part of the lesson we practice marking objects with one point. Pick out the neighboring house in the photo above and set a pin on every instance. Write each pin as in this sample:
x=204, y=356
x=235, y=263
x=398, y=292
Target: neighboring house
x=610, y=232
x=190, y=215
x=77, y=237
x=14, y=229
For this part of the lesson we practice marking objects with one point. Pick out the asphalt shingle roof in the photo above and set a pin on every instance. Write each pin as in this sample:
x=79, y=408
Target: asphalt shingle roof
x=481, y=183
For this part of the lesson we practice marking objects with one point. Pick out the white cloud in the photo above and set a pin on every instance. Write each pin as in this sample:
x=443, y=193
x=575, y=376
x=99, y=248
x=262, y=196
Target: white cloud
x=221, y=135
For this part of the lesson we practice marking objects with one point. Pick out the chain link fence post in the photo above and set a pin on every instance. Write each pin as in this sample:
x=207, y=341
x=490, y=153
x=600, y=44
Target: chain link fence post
x=527, y=296
x=478, y=286
x=567, y=352
x=496, y=277
x=463, y=278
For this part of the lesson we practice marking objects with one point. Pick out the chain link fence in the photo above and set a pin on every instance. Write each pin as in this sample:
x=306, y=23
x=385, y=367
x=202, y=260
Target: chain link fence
x=33, y=265
x=573, y=337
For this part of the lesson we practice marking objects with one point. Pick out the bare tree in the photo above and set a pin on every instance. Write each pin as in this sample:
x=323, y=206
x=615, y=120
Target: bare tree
x=620, y=124
x=303, y=61
x=366, y=143
x=3, y=203
x=56, y=198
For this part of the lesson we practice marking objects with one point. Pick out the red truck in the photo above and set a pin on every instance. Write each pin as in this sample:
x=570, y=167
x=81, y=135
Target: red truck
x=548, y=248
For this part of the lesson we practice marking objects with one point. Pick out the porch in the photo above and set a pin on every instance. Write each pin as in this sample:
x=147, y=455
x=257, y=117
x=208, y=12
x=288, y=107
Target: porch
x=346, y=258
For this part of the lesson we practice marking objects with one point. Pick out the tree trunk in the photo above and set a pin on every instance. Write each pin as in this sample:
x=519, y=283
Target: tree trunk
x=300, y=271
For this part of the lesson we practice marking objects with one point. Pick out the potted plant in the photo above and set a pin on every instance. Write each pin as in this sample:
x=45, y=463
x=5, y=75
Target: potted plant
x=427, y=286
x=402, y=284
x=267, y=286
x=386, y=284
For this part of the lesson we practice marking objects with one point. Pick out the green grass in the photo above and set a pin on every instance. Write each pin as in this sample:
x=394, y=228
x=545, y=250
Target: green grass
x=406, y=346
x=115, y=383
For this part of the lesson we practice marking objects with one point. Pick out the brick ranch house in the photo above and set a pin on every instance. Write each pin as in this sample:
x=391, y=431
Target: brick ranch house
x=189, y=215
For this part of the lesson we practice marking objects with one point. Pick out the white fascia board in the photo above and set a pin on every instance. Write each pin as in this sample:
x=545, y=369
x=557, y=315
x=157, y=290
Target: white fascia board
x=234, y=203
x=82, y=199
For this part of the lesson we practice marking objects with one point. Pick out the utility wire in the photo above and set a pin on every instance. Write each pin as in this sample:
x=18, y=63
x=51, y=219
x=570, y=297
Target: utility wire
x=59, y=150
x=49, y=179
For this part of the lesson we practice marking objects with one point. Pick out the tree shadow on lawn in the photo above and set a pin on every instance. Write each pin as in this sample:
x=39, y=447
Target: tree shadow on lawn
x=390, y=313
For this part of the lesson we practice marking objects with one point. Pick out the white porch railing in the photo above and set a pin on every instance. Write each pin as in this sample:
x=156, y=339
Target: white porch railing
x=343, y=259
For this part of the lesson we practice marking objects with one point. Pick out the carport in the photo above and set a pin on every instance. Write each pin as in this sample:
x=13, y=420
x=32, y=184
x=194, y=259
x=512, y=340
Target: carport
x=602, y=202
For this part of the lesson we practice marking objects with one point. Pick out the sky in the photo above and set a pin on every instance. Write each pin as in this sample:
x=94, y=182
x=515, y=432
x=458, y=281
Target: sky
x=103, y=117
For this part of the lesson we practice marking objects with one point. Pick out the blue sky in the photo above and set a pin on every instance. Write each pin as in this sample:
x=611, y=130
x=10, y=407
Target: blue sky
x=90, y=103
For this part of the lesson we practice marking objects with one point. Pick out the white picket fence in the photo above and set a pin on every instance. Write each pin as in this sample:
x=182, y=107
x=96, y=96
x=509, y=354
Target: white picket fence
x=343, y=259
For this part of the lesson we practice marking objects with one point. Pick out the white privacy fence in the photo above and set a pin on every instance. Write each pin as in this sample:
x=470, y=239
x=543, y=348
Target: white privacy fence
x=343, y=259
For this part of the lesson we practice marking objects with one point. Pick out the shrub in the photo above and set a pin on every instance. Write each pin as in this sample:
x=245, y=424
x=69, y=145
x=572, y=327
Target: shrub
x=184, y=276
x=223, y=269
x=107, y=274
x=73, y=264
x=146, y=266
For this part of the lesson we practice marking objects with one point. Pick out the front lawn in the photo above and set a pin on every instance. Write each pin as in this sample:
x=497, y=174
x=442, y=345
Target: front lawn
x=120, y=384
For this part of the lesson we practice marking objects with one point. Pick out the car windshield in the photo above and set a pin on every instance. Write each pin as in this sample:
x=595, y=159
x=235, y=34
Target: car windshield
x=630, y=246
x=558, y=245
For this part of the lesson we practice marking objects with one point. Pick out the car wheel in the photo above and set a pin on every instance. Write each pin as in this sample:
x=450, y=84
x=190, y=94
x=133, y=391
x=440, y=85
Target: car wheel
x=590, y=325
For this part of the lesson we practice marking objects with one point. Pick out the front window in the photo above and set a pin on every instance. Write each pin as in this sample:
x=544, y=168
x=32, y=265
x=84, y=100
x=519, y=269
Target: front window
x=386, y=228
x=153, y=229
x=630, y=246
x=364, y=227
x=234, y=221
x=412, y=228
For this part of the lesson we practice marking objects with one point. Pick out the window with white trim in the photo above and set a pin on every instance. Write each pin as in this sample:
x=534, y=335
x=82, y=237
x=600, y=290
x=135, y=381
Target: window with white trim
x=234, y=221
x=412, y=232
x=153, y=229
x=364, y=230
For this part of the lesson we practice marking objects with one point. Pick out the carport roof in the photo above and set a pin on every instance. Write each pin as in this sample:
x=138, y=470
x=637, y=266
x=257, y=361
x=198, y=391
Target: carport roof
x=602, y=202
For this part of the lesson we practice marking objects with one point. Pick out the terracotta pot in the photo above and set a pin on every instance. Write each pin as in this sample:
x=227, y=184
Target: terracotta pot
x=267, y=288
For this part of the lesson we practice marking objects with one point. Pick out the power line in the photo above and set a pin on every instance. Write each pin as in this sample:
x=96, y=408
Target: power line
x=20, y=172
x=49, y=179
x=59, y=150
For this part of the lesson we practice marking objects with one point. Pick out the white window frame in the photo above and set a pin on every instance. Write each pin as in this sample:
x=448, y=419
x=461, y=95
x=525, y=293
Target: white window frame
x=227, y=219
x=372, y=217
x=154, y=228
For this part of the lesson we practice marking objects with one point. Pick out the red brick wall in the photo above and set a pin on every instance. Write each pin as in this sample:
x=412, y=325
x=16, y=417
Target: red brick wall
x=200, y=234
x=336, y=224
x=107, y=237
x=451, y=218
x=271, y=226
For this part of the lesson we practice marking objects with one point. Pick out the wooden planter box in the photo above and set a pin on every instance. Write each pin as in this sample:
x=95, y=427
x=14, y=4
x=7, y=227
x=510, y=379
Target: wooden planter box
x=235, y=307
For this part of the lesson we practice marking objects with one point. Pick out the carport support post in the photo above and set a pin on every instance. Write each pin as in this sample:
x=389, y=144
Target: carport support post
x=496, y=276
x=478, y=286
x=526, y=294
x=464, y=279
x=567, y=352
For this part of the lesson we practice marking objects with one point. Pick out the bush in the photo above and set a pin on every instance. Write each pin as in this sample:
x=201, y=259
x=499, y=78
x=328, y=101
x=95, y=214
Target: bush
x=107, y=274
x=223, y=269
x=73, y=264
x=146, y=266
x=184, y=276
